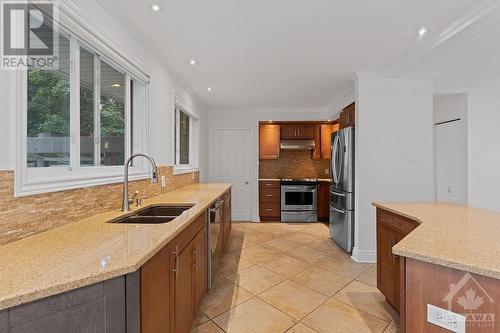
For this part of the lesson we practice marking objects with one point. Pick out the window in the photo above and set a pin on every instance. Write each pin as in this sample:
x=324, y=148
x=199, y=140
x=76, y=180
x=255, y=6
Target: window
x=82, y=120
x=185, y=141
x=48, y=128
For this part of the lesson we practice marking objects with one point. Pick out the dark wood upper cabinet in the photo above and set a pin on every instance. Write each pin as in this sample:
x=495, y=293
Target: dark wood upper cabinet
x=326, y=139
x=323, y=140
x=288, y=131
x=269, y=141
x=347, y=116
x=316, y=153
x=297, y=132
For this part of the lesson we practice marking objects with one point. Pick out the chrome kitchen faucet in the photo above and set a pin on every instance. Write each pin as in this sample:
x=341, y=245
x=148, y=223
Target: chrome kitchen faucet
x=154, y=178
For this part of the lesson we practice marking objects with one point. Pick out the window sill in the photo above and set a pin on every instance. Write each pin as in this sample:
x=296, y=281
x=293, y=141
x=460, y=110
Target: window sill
x=179, y=170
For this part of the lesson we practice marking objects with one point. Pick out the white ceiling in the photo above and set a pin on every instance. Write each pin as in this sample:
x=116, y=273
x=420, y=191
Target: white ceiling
x=468, y=61
x=281, y=53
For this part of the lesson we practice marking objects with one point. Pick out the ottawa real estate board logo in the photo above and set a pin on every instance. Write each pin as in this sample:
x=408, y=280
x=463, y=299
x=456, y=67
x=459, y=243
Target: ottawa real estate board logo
x=29, y=37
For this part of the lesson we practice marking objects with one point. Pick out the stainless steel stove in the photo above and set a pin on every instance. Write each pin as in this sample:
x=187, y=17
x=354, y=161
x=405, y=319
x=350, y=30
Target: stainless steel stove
x=299, y=200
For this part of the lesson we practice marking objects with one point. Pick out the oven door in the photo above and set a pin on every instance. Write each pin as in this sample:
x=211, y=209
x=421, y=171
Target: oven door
x=298, y=197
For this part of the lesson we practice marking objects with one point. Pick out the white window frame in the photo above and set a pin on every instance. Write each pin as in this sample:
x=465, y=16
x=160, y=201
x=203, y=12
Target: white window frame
x=194, y=134
x=29, y=181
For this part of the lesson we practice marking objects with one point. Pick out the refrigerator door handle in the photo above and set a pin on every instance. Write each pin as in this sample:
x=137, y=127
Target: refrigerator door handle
x=335, y=149
x=337, y=194
x=337, y=210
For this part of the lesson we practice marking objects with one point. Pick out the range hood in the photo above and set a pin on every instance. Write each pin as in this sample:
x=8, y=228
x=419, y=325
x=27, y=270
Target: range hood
x=297, y=144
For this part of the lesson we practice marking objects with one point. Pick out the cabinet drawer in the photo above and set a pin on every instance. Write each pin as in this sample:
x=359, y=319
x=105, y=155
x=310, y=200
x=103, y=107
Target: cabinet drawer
x=269, y=184
x=396, y=222
x=269, y=195
x=270, y=210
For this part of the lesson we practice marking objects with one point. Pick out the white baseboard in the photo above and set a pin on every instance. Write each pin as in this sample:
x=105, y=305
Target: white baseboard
x=364, y=256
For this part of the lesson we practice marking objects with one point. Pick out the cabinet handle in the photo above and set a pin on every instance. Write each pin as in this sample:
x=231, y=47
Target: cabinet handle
x=269, y=195
x=176, y=267
x=195, y=254
x=393, y=242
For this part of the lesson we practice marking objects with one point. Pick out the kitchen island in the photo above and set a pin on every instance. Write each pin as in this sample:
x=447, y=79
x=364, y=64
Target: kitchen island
x=60, y=273
x=440, y=256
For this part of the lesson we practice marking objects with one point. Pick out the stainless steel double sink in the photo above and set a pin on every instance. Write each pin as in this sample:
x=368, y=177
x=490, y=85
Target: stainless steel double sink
x=155, y=214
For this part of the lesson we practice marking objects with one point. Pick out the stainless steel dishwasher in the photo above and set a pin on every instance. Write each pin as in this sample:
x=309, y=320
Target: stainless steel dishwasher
x=214, y=240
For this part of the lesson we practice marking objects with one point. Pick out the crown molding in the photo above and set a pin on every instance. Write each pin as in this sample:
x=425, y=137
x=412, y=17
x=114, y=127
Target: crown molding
x=463, y=89
x=471, y=16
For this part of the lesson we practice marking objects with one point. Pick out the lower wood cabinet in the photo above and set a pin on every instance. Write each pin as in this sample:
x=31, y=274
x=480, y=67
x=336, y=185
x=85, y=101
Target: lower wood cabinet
x=174, y=281
x=226, y=219
x=324, y=201
x=391, y=229
x=270, y=200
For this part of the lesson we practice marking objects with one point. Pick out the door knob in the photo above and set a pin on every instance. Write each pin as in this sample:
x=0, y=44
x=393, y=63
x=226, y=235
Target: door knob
x=246, y=183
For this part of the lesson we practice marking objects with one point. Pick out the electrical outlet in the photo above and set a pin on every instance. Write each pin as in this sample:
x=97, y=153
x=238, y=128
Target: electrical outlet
x=163, y=182
x=451, y=321
x=327, y=172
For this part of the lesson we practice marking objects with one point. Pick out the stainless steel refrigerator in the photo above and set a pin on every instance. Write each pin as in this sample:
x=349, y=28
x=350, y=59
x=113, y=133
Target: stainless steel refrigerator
x=342, y=188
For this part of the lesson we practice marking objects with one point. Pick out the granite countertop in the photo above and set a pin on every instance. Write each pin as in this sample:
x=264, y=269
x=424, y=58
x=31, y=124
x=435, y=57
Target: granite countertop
x=451, y=235
x=91, y=250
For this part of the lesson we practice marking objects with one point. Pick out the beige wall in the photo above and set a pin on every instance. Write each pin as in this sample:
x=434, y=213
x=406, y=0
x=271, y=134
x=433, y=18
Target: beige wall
x=294, y=164
x=24, y=216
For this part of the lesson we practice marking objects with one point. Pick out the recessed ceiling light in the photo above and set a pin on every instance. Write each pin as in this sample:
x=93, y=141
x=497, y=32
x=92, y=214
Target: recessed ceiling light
x=422, y=31
x=155, y=7
x=209, y=89
x=116, y=85
x=192, y=62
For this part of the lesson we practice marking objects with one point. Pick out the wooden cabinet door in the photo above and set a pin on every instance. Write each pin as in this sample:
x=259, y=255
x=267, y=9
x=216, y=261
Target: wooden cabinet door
x=326, y=140
x=200, y=267
x=183, y=271
x=288, y=131
x=305, y=131
x=324, y=201
x=269, y=142
x=388, y=264
x=155, y=293
x=316, y=153
x=347, y=116
x=226, y=216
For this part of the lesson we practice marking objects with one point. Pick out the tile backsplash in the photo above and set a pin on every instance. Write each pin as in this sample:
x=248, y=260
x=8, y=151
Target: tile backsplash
x=24, y=216
x=294, y=164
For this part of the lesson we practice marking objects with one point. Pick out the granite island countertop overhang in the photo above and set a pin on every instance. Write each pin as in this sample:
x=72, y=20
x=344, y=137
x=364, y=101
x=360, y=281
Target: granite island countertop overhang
x=450, y=235
x=90, y=251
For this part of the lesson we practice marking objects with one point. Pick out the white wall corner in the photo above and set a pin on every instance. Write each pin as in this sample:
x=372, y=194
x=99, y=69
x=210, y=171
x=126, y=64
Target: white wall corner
x=364, y=256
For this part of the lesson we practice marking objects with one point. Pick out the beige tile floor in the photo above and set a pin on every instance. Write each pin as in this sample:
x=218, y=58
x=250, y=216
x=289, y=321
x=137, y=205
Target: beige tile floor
x=278, y=277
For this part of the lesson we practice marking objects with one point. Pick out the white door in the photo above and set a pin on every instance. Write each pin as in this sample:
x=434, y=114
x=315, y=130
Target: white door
x=232, y=162
x=451, y=162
